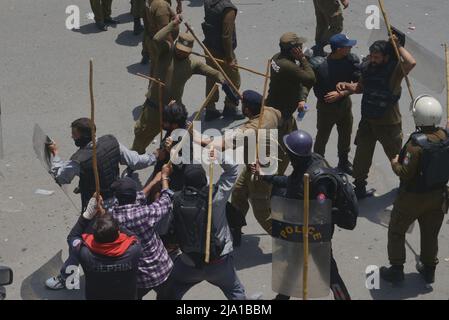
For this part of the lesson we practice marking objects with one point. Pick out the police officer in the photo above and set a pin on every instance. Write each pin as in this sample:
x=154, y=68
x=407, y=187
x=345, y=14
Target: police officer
x=250, y=190
x=290, y=82
x=299, y=148
x=138, y=13
x=247, y=189
x=158, y=14
x=422, y=167
x=102, y=11
x=335, y=107
x=175, y=67
x=329, y=21
x=221, y=40
x=380, y=84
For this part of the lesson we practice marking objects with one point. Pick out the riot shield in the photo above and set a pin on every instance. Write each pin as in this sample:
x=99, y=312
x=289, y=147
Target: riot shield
x=40, y=145
x=288, y=251
x=430, y=69
x=41, y=141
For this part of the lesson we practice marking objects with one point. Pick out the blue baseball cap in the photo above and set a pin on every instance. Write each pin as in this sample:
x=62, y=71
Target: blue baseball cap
x=341, y=40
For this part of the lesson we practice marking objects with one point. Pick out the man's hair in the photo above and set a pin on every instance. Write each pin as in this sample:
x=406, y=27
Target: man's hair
x=124, y=200
x=381, y=46
x=195, y=176
x=106, y=229
x=83, y=125
x=175, y=113
x=287, y=48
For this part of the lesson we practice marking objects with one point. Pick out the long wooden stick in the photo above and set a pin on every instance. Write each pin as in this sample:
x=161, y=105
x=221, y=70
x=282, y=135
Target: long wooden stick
x=151, y=79
x=305, y=234
x=197, y=116
x=237, y=66
x=209, y=210
x=94, y=141
x=1, y=133
x=262, y=109
x=446, y=49
x=209, y=54
x=161, y=107
x=262, y=112
x=390, y=33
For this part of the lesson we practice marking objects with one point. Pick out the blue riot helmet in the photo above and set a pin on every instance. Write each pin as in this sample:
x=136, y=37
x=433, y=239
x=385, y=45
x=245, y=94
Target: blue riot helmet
x=299, y=143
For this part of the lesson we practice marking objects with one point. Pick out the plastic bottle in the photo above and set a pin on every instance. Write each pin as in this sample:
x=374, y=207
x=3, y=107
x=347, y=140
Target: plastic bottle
x=302, y=114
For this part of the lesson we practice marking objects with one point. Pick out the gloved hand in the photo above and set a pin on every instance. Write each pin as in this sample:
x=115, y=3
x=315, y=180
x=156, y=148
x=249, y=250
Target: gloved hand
x=91, y=209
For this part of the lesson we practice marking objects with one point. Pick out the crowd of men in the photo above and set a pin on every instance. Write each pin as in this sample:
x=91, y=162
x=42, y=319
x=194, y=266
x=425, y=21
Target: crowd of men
x=130, y=241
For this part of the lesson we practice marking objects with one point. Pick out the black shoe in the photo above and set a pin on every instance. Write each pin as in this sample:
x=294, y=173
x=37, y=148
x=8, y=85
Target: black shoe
x=345, y=165
x=101, y=26
x=212, y=114
x=362, y=193
x=233, y=113
x=393, y=274
x=145, y=59
x=138, y=28
x=111, y=21
x=427, y=272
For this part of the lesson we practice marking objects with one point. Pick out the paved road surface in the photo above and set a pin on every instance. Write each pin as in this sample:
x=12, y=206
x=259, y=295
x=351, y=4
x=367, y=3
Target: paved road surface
x=43, y=79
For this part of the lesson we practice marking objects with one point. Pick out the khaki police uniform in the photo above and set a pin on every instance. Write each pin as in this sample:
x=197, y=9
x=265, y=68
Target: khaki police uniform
x=329, y=20
x=174, y=73
x=102, y=9
x=257, y=192
x=158, y=14
x=289, y=82
x=138, y=9
x=428, y=208
x=387, y=130
x=229, y=54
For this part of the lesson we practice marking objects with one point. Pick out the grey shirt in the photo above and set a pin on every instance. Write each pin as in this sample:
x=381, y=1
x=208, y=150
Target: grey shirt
x=224, y=187
x=65, y=171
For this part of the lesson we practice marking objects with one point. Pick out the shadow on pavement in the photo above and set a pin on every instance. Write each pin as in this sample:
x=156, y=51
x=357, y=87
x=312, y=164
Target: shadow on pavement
x=412, y=287
x=249, y=254
x=124, y=18
x=33, y=287
x=138, y=68
x=127, y=38
x=90, y=28
x=375, y=208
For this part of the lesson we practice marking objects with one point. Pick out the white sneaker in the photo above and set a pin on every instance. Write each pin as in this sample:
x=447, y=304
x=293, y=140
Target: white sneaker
x=55, y=283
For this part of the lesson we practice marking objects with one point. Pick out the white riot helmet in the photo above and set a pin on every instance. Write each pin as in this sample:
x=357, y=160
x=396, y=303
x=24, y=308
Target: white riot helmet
x=427, y=111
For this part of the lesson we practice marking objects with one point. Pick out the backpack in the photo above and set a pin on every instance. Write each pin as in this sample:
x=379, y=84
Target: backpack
x=434, y=171
x=190, y=225
x=344, y=202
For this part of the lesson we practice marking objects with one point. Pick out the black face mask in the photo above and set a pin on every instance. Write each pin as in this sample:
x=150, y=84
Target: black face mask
x=82, y=142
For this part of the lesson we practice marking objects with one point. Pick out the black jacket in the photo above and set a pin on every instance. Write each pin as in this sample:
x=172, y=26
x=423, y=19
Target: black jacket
x=110, y=274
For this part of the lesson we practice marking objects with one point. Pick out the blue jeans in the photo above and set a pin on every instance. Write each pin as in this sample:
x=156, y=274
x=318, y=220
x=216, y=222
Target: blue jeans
x=221, y=274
